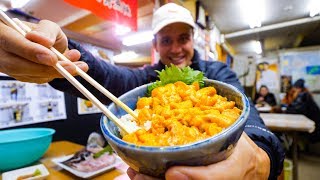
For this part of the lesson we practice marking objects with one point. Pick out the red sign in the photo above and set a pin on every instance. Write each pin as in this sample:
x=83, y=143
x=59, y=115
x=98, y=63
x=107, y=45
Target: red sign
x=122, y=12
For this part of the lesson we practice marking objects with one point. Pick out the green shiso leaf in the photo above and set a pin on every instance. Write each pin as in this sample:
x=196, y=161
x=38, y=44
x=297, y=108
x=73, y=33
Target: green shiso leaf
x=173, y=74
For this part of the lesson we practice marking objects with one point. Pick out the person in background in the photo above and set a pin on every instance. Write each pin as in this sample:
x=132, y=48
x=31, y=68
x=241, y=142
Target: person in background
x=264, y=97
x=302, y=103
x=258, y=154
x=289, y=97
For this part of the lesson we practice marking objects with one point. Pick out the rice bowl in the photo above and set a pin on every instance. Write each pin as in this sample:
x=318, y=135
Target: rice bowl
x=155, y=161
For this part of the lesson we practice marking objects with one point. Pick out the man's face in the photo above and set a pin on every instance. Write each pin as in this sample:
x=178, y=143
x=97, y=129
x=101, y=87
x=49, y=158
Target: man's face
x=174, y=43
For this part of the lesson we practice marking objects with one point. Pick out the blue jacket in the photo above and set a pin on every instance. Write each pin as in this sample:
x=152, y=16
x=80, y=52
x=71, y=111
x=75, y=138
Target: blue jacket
x=119, y=80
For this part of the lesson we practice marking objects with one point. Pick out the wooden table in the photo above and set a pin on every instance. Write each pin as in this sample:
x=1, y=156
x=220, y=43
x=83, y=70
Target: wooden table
x=61, y=148
x=289, y=123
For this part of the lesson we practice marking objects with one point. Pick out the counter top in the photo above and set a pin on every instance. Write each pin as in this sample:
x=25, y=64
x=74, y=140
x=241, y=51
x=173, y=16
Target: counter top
x=62, y=148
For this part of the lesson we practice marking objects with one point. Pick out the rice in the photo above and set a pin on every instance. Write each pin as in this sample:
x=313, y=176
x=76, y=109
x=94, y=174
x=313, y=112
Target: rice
x=131, y=123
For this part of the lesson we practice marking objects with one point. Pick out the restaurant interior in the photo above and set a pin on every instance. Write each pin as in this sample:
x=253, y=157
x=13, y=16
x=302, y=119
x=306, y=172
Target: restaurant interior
x=272, y=46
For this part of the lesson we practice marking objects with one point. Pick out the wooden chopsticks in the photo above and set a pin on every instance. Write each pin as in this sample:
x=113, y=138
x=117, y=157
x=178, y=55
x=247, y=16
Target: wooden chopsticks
x=86, y=76
x=74, y=81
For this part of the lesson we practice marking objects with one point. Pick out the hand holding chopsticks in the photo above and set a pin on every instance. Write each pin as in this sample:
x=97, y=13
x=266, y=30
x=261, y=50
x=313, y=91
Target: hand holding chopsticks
x=74, y=82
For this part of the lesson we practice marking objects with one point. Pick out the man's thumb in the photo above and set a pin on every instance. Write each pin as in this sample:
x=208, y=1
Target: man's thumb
x=175, y=173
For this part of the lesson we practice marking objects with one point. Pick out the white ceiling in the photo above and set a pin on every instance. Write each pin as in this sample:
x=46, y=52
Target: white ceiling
x=293, y=14
x=286, y=25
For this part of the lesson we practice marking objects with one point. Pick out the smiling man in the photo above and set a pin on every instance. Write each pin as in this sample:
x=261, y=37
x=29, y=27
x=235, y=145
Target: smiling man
x=174, y=43
x=258, y=154
x=173, y=30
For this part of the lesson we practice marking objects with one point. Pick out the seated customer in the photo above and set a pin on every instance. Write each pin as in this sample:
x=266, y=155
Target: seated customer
x=264, y=97
x=303, y=103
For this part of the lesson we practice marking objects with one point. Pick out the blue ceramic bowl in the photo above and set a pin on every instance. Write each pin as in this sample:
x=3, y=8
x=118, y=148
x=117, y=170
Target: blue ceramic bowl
x=155, y=161
x=21, y=147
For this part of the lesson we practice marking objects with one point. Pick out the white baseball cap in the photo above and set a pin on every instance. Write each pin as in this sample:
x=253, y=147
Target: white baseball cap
x=168, y=14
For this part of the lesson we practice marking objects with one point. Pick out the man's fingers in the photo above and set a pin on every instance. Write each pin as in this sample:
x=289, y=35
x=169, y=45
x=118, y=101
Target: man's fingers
x=186, y=172
x=49, y=35
x=33, y=80
x=71, y=67
x=131, y=173
x=73, y=55
x=44, y=78
x=225, y=169
x=144, y=177
x=13, y=42
x=16, y=66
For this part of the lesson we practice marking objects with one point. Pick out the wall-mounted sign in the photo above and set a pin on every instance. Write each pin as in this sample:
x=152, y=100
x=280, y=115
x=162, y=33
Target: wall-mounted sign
x=27, y=103
x=86, y=107
x=313, y=70
x=122, y=12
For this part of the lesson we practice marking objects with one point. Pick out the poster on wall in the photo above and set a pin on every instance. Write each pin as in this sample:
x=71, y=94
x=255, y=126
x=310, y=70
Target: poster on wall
x=286, y=82
x=268, y=74
x=302, y=64
x=28, y=103
x=86, y=107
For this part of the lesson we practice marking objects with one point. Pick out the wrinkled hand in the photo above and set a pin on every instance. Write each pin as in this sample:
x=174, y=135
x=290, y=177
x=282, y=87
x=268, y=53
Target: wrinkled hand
x=248, y=161
x=28, y=59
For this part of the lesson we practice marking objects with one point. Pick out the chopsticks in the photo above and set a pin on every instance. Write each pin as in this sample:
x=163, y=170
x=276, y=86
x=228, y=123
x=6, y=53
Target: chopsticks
x=74, y=81
x=85, y=76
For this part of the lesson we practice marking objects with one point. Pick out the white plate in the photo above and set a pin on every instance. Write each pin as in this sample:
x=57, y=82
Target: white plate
x=81, y=174
x=13, y=175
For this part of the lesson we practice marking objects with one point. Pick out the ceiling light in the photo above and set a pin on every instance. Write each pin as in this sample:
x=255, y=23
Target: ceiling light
x=212, y=55
x=138, y=38
x=257, y=47
x=3, y=7
x=18, y=3
x=314, y=8
x=253, y=12
x=125, y=56
x=122, y=30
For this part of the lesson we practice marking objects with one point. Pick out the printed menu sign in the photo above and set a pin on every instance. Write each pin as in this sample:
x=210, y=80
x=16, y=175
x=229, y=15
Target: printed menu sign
x=86, y=107
x=27, y=103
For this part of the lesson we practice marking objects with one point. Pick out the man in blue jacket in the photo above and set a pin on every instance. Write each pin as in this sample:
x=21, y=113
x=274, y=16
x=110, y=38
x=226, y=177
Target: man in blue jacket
x=258, y=154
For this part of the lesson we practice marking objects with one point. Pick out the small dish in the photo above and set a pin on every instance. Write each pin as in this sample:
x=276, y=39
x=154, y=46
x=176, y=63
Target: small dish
x=58, y=161
x=13, y=175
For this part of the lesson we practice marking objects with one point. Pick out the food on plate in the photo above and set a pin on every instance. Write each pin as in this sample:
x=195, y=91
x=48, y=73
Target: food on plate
x=91, y=158
x=180, y=110
x=37, y=172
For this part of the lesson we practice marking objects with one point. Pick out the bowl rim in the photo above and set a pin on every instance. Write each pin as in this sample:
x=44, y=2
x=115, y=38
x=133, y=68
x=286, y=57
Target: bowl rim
x=242, y=119
x=49, y=132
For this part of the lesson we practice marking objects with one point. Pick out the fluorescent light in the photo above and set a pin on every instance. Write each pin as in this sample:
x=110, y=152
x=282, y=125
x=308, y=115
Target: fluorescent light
x=3, y=7
x=212, y=56
x=253, y=12
x=314, y=8
x=257, y=47
x=122, y=30
x=138, y=38
x=125, y=56
x=18, y=3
